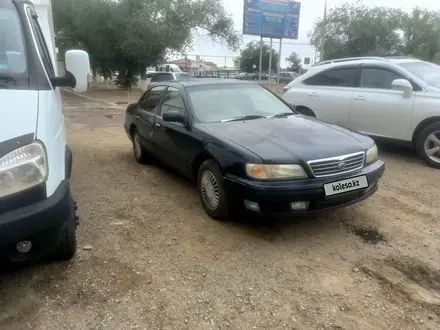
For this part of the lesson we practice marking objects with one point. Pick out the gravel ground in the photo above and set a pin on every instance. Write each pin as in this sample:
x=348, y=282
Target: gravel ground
x=150, y=258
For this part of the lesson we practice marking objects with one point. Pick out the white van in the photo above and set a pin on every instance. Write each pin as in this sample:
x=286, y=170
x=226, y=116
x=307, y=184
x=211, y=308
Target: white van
x=37, y=212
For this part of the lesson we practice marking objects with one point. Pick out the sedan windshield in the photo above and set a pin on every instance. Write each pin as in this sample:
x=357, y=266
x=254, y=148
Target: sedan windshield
x=426, y=71
x=221, y=103
x=12, y=50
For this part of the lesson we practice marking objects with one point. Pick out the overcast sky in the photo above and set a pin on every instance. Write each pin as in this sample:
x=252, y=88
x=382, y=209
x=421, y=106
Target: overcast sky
x=311, y=10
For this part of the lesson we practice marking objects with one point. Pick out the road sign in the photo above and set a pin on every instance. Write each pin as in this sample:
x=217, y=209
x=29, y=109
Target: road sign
x=271, y=18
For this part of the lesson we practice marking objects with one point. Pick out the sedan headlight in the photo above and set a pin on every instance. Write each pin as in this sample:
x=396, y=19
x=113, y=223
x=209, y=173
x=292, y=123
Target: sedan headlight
x=23, y=168
x=274, y=172
x=372, y=155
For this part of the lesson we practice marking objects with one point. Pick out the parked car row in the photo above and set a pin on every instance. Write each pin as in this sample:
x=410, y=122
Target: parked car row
x=285, y=77
x=393, y=98
x=248, y=150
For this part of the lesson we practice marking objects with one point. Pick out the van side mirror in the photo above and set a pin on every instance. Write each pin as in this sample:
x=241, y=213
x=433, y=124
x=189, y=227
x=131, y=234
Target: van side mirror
x=77, y=72
x=78, y=64
x=402, y=85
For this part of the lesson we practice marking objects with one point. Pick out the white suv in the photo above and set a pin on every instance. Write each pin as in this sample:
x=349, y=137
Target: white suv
x=393, y=98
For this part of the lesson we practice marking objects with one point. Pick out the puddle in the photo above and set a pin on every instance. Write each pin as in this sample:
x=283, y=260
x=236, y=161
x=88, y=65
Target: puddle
x=110, y=116
x=121, y=102
x=368, y=235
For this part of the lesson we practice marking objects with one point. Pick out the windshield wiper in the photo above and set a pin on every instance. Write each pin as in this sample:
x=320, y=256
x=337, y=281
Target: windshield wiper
x=283, y=114
x=247, y=117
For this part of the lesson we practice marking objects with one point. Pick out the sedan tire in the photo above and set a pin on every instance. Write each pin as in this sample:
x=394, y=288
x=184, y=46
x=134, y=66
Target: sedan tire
x=428, y=145
x=211, y=190
x=141, y=155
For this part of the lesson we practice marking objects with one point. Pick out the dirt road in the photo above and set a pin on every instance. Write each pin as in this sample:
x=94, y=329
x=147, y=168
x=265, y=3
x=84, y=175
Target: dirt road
x=158, y=262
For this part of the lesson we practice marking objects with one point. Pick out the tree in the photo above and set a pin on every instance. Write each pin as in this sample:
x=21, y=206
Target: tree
x=294, y=62
x=421, y=34
x=129, y=35
x=250, y=58
x=357, y=30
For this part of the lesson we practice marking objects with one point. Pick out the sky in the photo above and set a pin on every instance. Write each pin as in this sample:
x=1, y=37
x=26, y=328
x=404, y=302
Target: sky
x=311, y=10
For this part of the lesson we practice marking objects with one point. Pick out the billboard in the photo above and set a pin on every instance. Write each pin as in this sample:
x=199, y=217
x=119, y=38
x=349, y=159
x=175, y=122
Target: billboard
x=271, y=18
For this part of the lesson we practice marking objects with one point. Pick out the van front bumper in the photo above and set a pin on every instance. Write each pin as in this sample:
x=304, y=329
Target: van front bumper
x=42, y=223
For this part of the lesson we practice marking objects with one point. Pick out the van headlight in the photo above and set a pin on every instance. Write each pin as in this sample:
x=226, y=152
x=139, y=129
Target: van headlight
x=276, y=172
x=372, y=155
x=23, y=168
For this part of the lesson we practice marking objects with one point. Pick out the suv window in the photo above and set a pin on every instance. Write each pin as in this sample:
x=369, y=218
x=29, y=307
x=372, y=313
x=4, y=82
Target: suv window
x=151, y=100
x=162, y=77
x=172, y=101
x=378, y=78
x=339, y=77
x=41, y=43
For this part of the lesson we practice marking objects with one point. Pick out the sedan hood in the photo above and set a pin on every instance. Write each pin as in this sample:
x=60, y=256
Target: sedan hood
x=18, y=113
x=291, y=139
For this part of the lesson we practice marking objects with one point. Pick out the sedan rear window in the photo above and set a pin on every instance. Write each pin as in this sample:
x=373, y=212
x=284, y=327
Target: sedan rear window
x=214, y=103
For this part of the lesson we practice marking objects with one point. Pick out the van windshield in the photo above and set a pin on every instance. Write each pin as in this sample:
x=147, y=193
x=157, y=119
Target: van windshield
x=12, y=46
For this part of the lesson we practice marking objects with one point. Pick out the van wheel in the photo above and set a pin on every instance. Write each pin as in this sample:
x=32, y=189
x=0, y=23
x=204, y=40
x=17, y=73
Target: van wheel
x=67, y=248
x=428, y=145
x=141, y=155
x=212, y=193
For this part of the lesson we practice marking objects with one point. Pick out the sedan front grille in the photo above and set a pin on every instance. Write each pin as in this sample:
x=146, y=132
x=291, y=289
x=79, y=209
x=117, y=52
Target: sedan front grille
x=337, y=165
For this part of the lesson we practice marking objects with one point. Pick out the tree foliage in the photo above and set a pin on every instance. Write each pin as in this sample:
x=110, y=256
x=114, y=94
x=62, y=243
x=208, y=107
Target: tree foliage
x=128, y=35
x=294, y=62
x=355, y=29
x=250, y=58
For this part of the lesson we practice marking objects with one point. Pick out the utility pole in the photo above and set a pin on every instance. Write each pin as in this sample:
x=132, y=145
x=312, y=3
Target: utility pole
x=270, y=63
x=324, y=23
x=261, y=59
x=279, y=62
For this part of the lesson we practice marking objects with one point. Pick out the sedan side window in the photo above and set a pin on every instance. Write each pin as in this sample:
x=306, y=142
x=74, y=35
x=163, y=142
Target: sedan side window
x=172, y=101
x=343, y=77
x=378, y=78
x=151, y=102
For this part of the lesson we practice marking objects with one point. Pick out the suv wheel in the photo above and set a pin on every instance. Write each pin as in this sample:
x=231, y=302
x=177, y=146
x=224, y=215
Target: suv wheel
x=428, y=145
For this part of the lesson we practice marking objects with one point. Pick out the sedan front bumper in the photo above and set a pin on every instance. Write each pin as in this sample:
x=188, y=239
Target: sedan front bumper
x=274, y=198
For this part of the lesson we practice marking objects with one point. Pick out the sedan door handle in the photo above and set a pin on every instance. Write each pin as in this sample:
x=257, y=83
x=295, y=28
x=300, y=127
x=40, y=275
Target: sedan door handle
x=157, y=125
x=360, y=98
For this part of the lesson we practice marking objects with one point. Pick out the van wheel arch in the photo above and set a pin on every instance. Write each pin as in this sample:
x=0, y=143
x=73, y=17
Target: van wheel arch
x=68, y=162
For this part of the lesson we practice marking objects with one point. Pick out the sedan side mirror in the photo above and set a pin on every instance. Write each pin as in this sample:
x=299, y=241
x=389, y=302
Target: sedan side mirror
x=402, y=85
x=292, y=106
x=173, y=116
